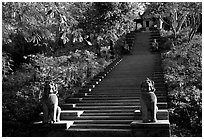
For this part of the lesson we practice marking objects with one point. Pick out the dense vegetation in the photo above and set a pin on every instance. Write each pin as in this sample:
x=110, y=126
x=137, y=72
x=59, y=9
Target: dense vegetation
x=183, y=74
x=181, y=46
x=63, y=41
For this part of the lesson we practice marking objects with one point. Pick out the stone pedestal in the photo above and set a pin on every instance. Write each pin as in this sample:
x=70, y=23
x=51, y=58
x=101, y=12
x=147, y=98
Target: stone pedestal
x=161, y=115
x=158, y=129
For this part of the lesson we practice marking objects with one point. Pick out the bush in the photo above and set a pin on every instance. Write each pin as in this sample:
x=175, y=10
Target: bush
x=6, y=65
x=183, y=75
x=69, y=72
x=23, y=90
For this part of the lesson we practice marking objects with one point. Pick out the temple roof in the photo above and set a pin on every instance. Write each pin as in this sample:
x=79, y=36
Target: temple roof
x=148, y=14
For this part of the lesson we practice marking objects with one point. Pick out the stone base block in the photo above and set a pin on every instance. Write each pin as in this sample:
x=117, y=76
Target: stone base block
x=161, y=128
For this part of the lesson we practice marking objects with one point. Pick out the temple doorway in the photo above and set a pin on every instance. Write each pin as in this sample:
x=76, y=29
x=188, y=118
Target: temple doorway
x=147, y=24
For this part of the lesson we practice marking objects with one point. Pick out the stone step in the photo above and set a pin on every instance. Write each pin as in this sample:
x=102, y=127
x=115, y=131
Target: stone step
x=96, y=79
x=70, y=107
x=155, y=33
x=81, y=100
x=99, y=132
x=65, y=115
x=100, y=118
x=156, y=65
x=92, y=99
x=108, y=104
x=125, y=113
x=113, y=91
x=100, y=76
x=109, y=98
x=120, y=92
x=155, y=36
x=110, y=111
x=127, y=72
x=100, y=126
x=103, y=121
x=124, y=94
x=152, y=40
x=159, y=99
x=92, y=82
x=125, y=88
x=116, y=91
x=155, y=79
x=78, y=100
x=104, y=89
x=136, y=77
x=63, y=124
x=161, y=114
x=121, y=85
x=116, y=98
x=91, y=106
x=137, y=91
x=71, y=113
x=132, y=86
x=102, y=99
x=130, y=82
x=106, y=97
x=161, y=128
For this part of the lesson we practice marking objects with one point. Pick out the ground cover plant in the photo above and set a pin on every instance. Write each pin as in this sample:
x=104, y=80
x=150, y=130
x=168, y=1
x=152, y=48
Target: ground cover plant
x=181, y=45
x=182, y=64
x=23, y=89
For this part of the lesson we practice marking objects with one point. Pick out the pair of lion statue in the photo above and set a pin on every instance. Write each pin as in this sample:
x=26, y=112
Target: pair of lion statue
x=148, y=102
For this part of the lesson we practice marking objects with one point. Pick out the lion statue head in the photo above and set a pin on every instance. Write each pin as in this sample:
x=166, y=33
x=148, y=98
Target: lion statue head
x=147, y=86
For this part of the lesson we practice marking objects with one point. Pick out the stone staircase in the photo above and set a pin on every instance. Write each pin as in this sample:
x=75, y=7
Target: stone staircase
x=109, y=105
x=155, y=34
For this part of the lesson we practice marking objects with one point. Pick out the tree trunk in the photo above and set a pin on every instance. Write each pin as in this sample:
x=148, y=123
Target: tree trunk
x=181, y=22
x=174, y=30
x=192, y=33
x=195, y=26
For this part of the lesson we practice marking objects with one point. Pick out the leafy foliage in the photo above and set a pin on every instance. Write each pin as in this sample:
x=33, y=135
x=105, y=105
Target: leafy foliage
x=6, y=64
x=43, y=39
x=183, y=68
x=22, y=91
x=37, y=21
x=49, y=27
x=179, y=14
x=71, y=71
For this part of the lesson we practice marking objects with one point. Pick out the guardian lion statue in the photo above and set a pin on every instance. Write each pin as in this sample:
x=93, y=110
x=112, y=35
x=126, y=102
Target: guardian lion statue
x=148, y=101
x=51, y=110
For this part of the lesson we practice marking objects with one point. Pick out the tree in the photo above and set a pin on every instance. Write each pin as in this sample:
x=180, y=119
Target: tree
x=109, y=19
x=178, y=13
x=55, y=24
x=38, y=22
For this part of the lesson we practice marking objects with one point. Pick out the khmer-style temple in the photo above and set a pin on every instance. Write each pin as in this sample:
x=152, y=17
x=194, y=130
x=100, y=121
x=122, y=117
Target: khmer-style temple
x=148, y=20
